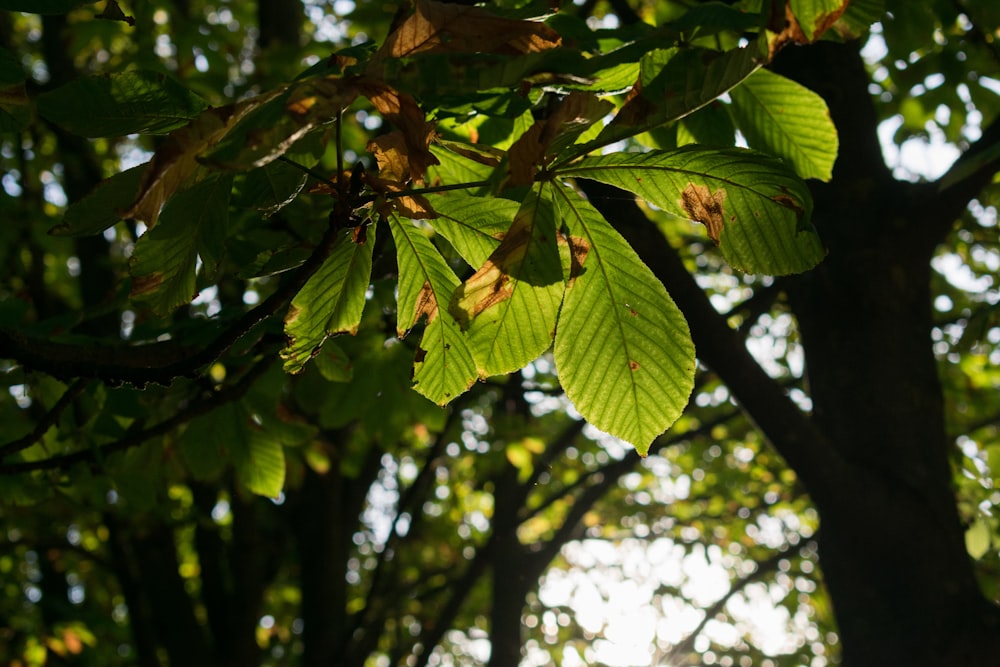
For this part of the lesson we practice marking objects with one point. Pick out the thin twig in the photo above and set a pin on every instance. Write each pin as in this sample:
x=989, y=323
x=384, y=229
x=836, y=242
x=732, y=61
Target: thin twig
x=47, y=421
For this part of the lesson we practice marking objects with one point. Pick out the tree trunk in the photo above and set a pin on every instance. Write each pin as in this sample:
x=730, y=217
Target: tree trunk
x=892, y=545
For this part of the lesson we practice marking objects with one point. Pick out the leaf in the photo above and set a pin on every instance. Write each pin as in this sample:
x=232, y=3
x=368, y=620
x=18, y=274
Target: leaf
x=176, y=160
x=673, y=83
x=231, y=434
x=784, y=118
x=333, y=364
x=623, y=349
x=509, y=306
x=444, y=367
x=270, y=188
x=575, y=113
x=112, y=105
x=755, y=209
x=164, y=261
x=402, y=111
x=260, y=462
x=272, y=125
x=101, y=208
x=473, y=225
x=437, y=27
x=814, y=17
x=330, y=302
x=978, y=538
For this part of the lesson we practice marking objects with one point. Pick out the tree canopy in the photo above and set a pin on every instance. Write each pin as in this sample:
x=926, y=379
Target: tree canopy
x=330, y=328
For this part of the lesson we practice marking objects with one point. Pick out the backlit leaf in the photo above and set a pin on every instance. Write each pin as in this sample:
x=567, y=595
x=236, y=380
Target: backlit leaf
x=193, y=225
x=473, y=225
x=622, y=347
x=444, y=367
x=509, y=306
x=330, y=302
x=674, y=83
x=784, y=118
x=437, y=27
x=753, y=206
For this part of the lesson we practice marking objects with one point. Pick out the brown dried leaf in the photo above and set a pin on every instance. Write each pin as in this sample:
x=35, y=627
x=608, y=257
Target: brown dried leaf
x=436, y=27
x=426, y=304
x=704, y=207
x=403, y=111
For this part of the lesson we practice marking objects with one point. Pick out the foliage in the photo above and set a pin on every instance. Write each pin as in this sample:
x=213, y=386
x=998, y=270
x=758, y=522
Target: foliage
x=282, y=311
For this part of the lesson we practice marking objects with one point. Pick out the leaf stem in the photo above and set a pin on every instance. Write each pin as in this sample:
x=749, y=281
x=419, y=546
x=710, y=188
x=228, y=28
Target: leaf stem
x=312, y=172
x=338, y=125
x=424, y=191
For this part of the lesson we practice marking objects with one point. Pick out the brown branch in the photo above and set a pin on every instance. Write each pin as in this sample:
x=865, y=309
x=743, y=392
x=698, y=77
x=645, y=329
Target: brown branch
x=197, y=409
x=47, y=421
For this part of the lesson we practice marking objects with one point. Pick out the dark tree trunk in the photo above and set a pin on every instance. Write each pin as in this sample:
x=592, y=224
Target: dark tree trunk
x=892, y=545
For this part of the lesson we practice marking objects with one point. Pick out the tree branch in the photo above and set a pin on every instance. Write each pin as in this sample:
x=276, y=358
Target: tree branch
x=46, y=422
x=159, y=363
x=219, y=398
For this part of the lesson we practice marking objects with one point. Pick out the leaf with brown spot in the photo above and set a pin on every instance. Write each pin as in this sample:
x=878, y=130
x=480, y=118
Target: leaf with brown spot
x=332, y=301
x=437, y=27
x=705, y=207
x=755, y=207
x=509, y=306
x=443, y=367
x=803, y=22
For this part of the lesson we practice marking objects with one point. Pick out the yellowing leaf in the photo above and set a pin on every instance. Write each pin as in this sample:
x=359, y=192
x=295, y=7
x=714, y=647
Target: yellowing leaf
x=176, y=160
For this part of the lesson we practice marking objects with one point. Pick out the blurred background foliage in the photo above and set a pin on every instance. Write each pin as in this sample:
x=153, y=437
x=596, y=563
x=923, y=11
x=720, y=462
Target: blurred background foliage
x=407, y=533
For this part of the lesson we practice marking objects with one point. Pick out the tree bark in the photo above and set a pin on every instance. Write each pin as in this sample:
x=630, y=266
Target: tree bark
x=892, y=545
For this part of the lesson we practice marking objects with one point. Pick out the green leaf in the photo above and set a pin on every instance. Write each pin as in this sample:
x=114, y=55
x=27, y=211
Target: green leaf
x=331, y=302
x=784, y=118
x=205, y=444
x=978, y=538
x=260, y=462
x=101, y=207
x=333, y=364
x=473, y=225
x=232, y=434
x=112, y=105
x=754, y=207
x=623, y=349
x=271, y=187
x=444, y=367
x=674, y=83
x=815, y=16
x=193, y=224
x=509, y=306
